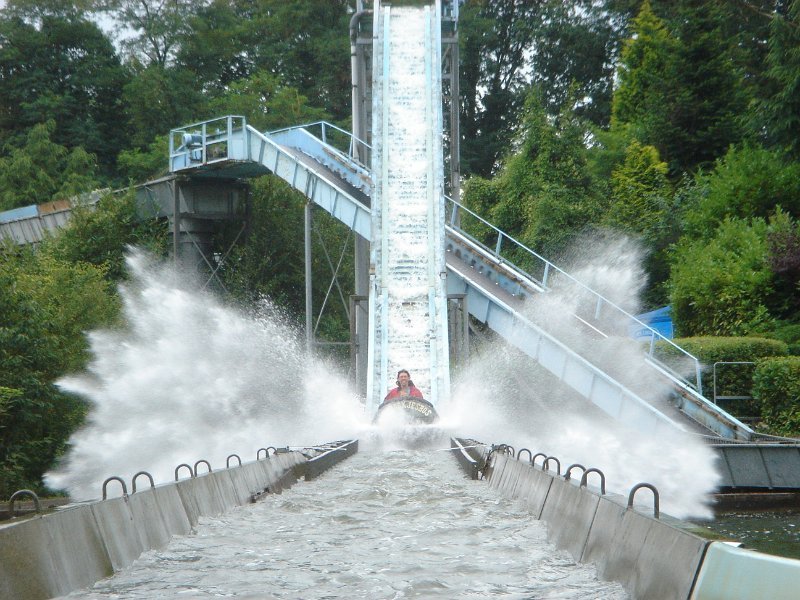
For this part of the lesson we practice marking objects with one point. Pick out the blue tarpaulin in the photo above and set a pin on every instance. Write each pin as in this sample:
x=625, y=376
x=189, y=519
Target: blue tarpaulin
x=659, y=319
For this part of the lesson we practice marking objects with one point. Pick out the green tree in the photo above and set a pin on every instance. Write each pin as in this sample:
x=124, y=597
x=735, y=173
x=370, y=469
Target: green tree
x=48, y=300
x=777, y=116
x=138, y=165
x=642, y=204
x=304, y=45
x=574, y=52
x=42, y=170
x=747, y=182
x=45, y=306
x=783, y=258
x=680, y=90
x=157, y=99
x=722, y=286
x=545, y=193
x=644, y=68
x=495, y=38
x=99, y=235
x=65, y=70
x=158, y=26
x=639, y=192
x=219, y=48
x=266, y=103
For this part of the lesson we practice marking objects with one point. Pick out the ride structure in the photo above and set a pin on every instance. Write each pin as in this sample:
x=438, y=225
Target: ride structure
x=491, y=281
x=408, y=326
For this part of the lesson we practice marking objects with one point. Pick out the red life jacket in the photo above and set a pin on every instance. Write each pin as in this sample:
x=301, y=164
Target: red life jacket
x=413, y=392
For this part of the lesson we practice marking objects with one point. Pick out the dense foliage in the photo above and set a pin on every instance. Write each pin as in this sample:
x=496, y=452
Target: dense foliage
x=675, y=122
x=728, y=369
x=776, y=385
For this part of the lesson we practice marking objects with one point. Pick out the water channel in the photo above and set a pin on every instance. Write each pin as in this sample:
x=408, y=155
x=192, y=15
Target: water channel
x=383, y=524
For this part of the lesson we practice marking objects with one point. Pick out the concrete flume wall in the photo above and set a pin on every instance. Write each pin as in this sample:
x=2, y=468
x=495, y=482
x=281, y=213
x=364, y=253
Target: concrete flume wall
x=53, y=554
x=653, y=558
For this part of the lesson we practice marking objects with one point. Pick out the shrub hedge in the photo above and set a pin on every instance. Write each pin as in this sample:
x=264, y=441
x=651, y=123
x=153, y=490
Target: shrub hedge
x=732, y=380
x=776, y=386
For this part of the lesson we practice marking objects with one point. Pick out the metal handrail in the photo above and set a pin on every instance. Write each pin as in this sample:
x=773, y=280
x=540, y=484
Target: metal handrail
x=455, y=208
x=324, y=126
x=548, y=267
x=204, y=135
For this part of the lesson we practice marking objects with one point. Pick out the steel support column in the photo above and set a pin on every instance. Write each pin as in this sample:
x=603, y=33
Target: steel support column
x=307, y=224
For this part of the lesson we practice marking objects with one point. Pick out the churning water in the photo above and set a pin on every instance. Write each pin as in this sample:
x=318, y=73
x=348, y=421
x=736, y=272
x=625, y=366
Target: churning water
x=402, y=524
x=188, y=378
x=502, y=396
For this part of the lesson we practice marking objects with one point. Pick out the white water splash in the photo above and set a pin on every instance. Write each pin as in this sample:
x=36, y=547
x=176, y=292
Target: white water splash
x=503, y=397
x=188, y=378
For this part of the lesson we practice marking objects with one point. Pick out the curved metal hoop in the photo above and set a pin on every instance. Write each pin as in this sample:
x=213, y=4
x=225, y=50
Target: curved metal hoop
x=19, y=493
x=521, y=450
x=568, y=472
x=199, y=462
x=115, y=478
x=546, y=464
x=228, y=460
x=505, y=449
x=585, y=477
x=652, y=488
x=178, y=468
x=146, y=474
x=537, y=455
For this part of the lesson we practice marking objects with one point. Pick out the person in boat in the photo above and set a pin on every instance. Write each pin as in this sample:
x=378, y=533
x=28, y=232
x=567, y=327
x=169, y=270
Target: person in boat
x=405, y=388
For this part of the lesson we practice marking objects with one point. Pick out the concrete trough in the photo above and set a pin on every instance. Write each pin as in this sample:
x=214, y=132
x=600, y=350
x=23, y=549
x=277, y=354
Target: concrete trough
x=149, y=519
x=319, y=464
x=651, y=557
x=52, y=554
x=569, y=512
x=119, y=531
x=173, y=512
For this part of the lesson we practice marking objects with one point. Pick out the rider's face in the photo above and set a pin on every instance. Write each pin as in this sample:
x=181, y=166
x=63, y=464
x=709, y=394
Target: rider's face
x=403, y=379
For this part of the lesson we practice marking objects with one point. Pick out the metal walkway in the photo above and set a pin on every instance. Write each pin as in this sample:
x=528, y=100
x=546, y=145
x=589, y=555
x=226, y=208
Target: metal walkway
x=495, y=288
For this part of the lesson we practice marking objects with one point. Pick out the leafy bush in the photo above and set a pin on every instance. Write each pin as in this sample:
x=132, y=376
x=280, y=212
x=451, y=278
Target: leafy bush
x=35, y=418
x=788, y=333
x=747, y=182
x=776, y=386
x=99, y=235
x=721, y=287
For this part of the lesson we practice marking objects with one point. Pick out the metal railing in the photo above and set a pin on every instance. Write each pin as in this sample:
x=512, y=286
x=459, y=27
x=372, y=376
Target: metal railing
x=209, y=140
x=206, y=141
x=336, y=138
x=542, y=271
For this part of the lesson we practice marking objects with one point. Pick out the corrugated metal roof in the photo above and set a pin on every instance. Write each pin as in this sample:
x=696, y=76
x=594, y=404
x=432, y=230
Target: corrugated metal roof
x=15, y=214
x=30, y=224
x=55, y=206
